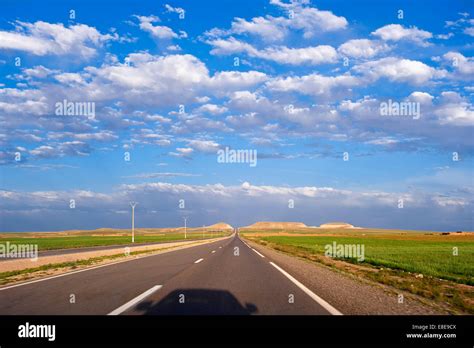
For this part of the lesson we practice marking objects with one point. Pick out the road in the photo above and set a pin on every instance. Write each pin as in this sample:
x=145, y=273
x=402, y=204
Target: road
x=222, y=277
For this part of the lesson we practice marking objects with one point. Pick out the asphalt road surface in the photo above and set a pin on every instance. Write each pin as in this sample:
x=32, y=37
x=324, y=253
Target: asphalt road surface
x=222, y=277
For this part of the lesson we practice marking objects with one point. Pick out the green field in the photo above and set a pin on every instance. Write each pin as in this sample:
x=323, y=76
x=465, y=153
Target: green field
x=74, y=241
x=434, y=258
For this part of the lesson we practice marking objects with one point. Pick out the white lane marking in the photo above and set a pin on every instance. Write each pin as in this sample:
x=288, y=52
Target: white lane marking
x=245, y=244
x=134, y=301
x=220, y=247
x=258, y=253
x=213, y=251
x=95, y=267
x=197, y=261
x=311, y=294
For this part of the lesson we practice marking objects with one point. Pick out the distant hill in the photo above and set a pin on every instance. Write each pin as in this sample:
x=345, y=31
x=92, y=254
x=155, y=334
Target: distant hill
x=272, y=225
x=220, y=226
x=268, y=225
x=336, y=225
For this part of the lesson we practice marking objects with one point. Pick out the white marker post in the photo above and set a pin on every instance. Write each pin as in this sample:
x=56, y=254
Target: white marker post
x=133, y=204
x=185, y=218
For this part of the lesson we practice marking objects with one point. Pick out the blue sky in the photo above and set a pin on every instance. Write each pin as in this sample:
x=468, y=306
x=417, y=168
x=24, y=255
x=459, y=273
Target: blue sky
x=308, y=88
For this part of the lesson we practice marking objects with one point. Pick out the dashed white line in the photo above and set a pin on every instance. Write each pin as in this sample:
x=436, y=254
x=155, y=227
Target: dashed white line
x=311, y=294
x=197, y=261
x=258, y=253
x=134, y=301
x=213, y=251
x=220, y=247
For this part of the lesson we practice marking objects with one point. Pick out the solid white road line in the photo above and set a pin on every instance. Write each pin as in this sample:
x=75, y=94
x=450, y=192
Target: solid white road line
x=197, y=261
x=134, y=301
x=258, y=253
x=311, y=294
x=245, y=244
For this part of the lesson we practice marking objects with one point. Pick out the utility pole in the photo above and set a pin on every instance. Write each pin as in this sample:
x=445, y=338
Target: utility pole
x=185, y=218
x=133, y=204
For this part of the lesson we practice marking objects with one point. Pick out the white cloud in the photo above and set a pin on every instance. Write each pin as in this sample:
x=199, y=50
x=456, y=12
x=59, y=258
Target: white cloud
x=396, y=32
x=385, y=141
x=313, y=84
x=208, y=146
x=465, y=24
x=70, y=78
x=103, y=135
x=161, y=80
x=158, y=31
x=150, y=137
x=308, y=20
x=445, y=121
x=22, y=101
x=296, y=56
x=196, y=124
x=463, y=66
x=469, y=31
x=362, y=48
x=38, y=72
x=450, y=201
x=421, y=97
x=231, y=46
x=231, y=80
x=280, y=54
x=257, y=110
x=212, y=109
x=183, y=152
x=454, y=110
x=398, y=70
x=445, y=36
x=42, y=38
x=172, y=9
x=173, y=48
x=267, y=28
x=68, y=148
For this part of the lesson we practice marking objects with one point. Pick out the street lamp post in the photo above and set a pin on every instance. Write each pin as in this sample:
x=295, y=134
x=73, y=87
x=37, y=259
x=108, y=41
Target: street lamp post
x=133, y=204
